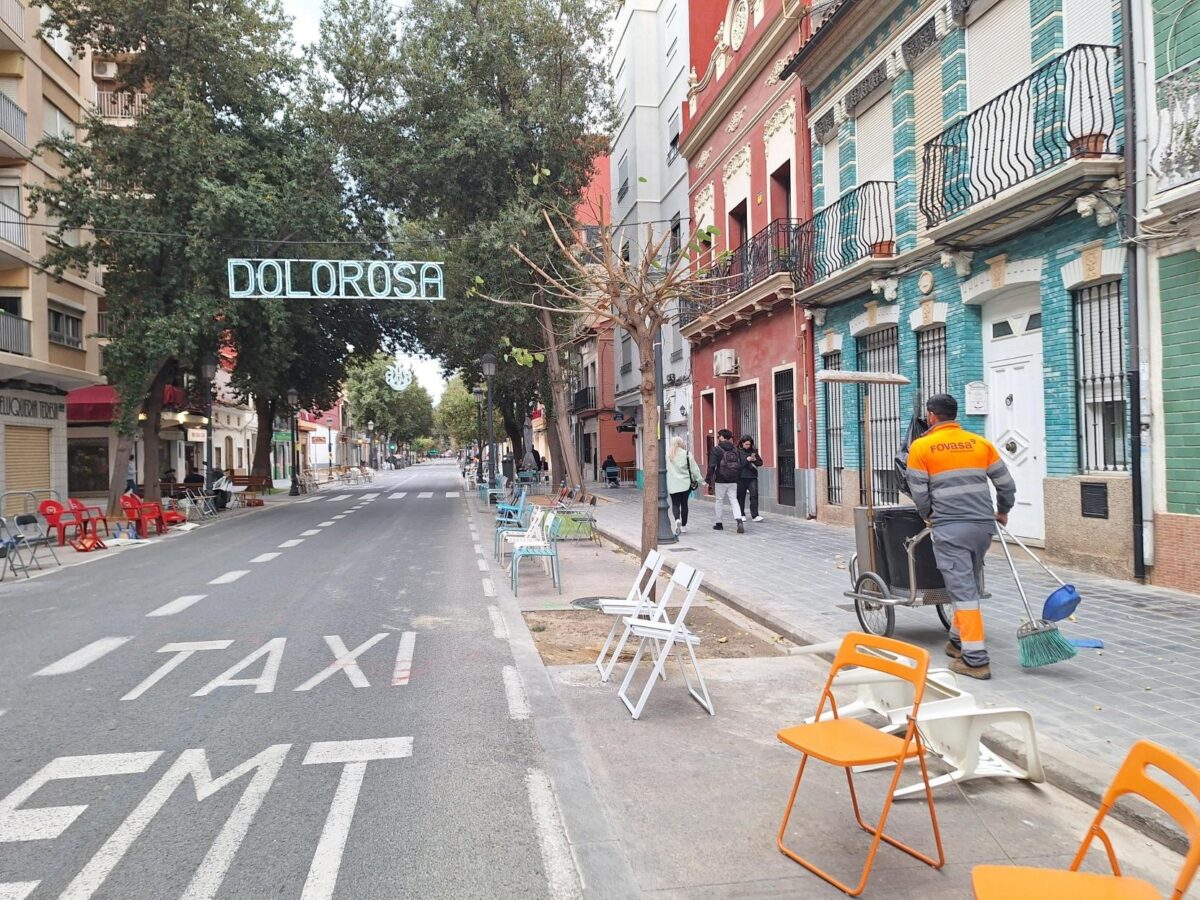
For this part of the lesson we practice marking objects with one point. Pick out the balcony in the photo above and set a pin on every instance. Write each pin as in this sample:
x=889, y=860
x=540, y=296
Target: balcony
x=860, y=225
x=12, y=119
x=1055, y=134
x=13, y=15
x=15, y=335
x=122, y=106
x=1177, y=153
x=584, y=399
x=14, y=226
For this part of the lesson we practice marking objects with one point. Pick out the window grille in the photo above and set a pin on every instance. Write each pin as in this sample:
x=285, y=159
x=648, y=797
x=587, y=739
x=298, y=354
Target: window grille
x=880, y=352
x=834, y=457
x=1101, y=379
x=931, y=362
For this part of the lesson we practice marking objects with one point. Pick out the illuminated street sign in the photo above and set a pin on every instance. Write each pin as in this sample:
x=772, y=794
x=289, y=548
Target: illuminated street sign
x=334, y=279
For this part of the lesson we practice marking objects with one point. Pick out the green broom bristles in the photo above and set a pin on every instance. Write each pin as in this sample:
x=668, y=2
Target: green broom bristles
x=1041, y=644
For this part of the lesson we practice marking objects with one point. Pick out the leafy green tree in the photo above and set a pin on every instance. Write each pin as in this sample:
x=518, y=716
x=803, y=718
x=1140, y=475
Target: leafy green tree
x=401, y=416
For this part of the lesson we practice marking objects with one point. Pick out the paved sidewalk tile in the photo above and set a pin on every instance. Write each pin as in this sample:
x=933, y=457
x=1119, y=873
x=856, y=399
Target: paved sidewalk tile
x=1145, y=683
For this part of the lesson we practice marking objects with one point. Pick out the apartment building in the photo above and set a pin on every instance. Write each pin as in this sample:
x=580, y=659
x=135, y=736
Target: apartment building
x=47, y=325
x=649, y=68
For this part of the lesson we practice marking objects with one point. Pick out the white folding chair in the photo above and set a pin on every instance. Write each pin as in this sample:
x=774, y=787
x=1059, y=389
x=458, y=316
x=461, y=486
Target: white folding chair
x=636, y=604
x=669, y=634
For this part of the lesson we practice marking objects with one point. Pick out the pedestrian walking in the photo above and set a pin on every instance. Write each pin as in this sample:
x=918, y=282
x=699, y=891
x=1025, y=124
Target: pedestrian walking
x=748, y=481
x=131, y=475
x=724, y=472
x=683, y=477
x=948, y=473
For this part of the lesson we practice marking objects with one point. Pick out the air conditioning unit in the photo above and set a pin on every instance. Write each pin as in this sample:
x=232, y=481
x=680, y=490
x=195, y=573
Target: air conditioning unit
x=725, y=363
x=101, y=69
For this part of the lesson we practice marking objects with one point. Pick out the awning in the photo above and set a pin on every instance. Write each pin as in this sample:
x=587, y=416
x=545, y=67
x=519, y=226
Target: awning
x=97, y=403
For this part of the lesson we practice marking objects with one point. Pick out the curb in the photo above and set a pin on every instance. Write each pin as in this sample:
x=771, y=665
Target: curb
x=1069, y=771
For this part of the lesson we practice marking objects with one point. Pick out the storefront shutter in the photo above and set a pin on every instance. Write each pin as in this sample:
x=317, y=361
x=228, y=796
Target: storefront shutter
x=999, y=50
x=26, y=463
x=873, y=139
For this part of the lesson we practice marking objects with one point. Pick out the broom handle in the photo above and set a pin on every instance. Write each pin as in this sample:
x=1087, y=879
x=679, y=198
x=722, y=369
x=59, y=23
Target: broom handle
x=1045, y=568
x=1000, y=532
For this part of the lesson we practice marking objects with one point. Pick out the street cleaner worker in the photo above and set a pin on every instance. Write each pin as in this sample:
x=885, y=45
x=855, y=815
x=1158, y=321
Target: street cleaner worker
x=948, y=473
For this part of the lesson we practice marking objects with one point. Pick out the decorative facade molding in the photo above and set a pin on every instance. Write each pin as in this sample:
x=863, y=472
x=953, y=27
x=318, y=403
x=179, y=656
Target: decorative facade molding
x=876, y=318
x=959, y=10
x=920, y=42
x=888, y=287
x=1000, y=275
x=704, y=156
x=776, y=71
x=783, y=119
x=831, y=342
x=1093, y=265
x=929, y=314
x=736, y=164
x=735, y=119
x=867, y=86
x=825, y=125
x=705, y=202
x=960, y=260
x=758, y=11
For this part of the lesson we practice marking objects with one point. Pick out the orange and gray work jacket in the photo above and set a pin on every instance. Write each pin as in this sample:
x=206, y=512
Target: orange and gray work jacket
x=948, y=473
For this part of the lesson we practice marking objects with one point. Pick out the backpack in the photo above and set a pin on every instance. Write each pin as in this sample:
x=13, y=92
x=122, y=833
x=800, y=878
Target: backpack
x=729, y=466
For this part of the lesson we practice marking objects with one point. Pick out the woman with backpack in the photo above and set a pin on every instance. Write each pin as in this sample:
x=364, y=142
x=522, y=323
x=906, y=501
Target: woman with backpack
x=683, y=477
x=748, y=481
x=724, y=472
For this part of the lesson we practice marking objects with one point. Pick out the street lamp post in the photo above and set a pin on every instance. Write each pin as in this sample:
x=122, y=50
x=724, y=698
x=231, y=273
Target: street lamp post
x=487, y=362
x=666, y=532
x=293, y=399
x=208, y=369
x=480, y=394
x=371, y=443
x=329, y=439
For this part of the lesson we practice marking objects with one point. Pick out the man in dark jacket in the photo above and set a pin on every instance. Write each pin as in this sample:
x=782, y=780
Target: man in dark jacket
x=748, y=481
x=724, y=473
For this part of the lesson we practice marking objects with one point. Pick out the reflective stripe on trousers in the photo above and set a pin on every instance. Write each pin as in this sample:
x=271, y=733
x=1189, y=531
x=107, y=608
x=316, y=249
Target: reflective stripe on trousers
x=960, y=548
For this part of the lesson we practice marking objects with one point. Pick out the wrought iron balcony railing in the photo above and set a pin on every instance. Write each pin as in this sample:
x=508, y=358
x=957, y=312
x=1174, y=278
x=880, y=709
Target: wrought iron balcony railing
x=1177, y=153
x=14, y=226
x=584, y=399
x=12, y=118
x=860, y=224
x=1063, y=111
x=120, y=104
x=16, y=335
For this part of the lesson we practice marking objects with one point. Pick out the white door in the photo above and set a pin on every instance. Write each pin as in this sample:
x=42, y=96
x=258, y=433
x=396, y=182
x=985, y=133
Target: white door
x=1016, y=421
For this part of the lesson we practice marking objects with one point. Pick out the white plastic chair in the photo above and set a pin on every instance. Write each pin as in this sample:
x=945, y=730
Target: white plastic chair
x=635, y=604
x=668, y=634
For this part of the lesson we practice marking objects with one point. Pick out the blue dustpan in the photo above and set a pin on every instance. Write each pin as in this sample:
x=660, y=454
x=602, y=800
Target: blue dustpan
x=1061, y=603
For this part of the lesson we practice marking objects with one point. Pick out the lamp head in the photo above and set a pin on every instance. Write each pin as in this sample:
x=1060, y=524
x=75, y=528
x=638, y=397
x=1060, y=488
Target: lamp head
x=208, y=366
x=479, y=392
x=487, y=363
x=371, y=425
x=293, y=398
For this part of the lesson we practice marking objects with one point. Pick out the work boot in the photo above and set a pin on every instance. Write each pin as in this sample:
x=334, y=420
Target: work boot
x=953, y=650
x=741, y=527
x=960, y=667
x=718, y=527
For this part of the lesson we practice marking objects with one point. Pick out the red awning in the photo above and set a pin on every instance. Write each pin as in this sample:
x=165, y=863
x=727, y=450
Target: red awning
x=97, y=403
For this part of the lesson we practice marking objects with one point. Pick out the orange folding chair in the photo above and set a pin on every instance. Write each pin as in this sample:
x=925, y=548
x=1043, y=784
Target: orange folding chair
x=1003, y=882
x=847, y=743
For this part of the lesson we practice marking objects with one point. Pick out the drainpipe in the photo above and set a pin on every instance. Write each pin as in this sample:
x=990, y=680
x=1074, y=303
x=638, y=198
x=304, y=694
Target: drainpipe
x=1135, y=264
x=801, y=328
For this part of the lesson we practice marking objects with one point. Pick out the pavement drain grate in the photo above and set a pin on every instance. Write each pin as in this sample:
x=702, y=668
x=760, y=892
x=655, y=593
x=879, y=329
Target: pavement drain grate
x=586, y=602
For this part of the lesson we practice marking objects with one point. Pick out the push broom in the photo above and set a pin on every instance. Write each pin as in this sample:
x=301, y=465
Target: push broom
x=1039, y=640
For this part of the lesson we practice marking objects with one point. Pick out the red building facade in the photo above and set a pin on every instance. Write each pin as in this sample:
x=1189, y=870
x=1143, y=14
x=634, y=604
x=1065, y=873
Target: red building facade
x=746, y=141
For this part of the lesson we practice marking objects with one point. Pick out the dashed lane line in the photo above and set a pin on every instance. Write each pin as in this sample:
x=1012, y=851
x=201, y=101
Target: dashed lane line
x=179, y=604
x=310, y=532
x=482, y=563
x=340, y=516
x=369, y=497
x=83, y=657
x=452, y=495
x=514, y=692
x=324, y=524
x=294, y=542
x=499, y=629
x=230, y=577
x=404, y=659
x=265, y=557
x=424, y=495
x=489, y=589
x=558, y=863
x=399, y=495
x=340, y=497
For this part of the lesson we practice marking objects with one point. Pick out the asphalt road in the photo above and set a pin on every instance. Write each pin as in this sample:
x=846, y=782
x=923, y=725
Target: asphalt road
x=331, y=718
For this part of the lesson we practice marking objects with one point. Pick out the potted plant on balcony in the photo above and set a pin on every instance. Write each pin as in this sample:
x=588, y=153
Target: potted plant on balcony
x=883, y=249
x=1088, y=146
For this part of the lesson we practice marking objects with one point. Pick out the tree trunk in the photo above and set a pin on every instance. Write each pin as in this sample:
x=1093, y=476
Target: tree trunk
x=558, y=393
x=515, y=432
x=557, y=469
x=650, y=439
x=117, y=477
x=265, y=410
x=151, y=464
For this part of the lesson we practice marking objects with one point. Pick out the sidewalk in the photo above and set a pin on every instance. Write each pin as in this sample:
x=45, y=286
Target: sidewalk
x=791, y=575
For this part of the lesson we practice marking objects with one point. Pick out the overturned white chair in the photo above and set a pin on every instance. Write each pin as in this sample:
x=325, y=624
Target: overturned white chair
x=951, y=723
x=666, y=634
x=636, y=603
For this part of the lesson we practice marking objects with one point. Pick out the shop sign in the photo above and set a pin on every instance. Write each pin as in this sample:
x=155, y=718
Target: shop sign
x=197, y=435
x=25, y=408
x=317, y=439
x=341, y=279
x=282, y=437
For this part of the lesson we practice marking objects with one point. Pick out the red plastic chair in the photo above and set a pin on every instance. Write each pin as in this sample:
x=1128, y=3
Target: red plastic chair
x=89, y=514
x=60, y=519
x=141, y=515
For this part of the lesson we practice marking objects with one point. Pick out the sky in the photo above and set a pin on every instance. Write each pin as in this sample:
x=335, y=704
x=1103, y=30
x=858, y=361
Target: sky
x=306, y=26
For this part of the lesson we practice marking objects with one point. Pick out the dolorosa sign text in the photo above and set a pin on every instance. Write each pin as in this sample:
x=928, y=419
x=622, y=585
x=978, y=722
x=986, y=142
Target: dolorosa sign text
x=334, y=279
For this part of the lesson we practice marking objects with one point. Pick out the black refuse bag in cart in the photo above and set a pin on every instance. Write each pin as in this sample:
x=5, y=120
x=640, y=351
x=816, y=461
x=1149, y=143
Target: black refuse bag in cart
x=916, y=427
x=893, y=526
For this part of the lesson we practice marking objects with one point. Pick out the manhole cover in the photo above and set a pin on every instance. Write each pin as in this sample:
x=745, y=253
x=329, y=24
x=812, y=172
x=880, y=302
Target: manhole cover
x=586, y=602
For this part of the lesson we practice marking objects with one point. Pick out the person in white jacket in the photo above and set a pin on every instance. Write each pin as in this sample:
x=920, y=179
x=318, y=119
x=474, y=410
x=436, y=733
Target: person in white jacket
x=683, y=477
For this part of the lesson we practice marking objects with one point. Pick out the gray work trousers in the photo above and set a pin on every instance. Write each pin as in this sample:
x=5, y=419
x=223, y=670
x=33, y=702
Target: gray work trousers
x=959, y=548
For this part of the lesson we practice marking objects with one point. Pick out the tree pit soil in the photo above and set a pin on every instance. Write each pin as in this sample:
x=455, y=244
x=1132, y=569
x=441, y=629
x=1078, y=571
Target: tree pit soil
x=568, y=637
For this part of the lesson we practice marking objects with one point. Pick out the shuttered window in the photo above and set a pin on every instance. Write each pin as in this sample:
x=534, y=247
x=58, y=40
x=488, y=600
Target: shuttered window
x=999, y=50
x=26, y=463
x=927, y=97
x=873, y=140
x=1086, y=22
x=831, y=169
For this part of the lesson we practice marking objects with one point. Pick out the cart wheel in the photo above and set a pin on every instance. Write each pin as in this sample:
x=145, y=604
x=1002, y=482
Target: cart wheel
x=945, y=612
x=875, y=618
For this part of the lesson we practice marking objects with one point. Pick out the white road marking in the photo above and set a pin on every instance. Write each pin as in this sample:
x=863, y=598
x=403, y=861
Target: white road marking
x=489, y=589
x=344, y=661
x=404, y=658
x=451, y=495
x=499, y=629
x=354, y=756
x=179, y=604
x=399, y=495
x=264, y=683
x=310, y=500
x=83, y=657
x=514, y=692
x=324, y=524
x=561, y=877
x=264, y=557
x=230, y=577
x=17, y=890
x=369, y=497
x=482, y=563
x=182, y=652
x=478, y=550
x=339, y=516
x=424, y=495
x=340, y=497
x=294, y=542
x=310, y=532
